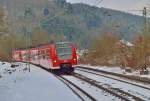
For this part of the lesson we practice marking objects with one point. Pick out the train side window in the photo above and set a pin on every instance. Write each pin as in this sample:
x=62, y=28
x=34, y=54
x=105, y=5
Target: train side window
x=47, y=51
x=47, y=57
x=33, y=57
x=48, y=54
x=42, y=52
x=43, y=56
x=36, y=56
x=40, y=56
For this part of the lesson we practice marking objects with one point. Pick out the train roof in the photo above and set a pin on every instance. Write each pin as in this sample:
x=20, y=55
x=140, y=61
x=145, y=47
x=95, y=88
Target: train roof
x=43, y=45
x=63, y=43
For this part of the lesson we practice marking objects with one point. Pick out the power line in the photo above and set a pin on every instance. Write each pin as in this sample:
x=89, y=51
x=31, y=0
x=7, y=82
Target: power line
x=139, y=11
x=135, y=10
x=99, y=2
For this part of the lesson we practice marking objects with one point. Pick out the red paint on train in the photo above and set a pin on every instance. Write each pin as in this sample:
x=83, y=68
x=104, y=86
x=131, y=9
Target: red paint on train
x=51, y=56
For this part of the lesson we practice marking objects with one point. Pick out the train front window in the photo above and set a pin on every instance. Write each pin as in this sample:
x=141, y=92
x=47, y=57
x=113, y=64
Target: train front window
x=64, y=51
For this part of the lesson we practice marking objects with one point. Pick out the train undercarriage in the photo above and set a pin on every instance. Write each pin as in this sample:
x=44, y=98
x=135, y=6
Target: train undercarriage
x=65, y=68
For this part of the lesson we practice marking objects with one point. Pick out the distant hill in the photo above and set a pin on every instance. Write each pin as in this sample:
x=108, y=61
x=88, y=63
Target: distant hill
x=78, y=22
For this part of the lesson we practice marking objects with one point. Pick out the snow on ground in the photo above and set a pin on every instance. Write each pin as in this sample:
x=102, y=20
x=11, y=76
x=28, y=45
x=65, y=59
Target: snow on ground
x=117, y=70
x=97, y=93
x=137, y=91
x=18, y=84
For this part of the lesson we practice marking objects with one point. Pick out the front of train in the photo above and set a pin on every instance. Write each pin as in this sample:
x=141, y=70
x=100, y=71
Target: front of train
x=66, y=56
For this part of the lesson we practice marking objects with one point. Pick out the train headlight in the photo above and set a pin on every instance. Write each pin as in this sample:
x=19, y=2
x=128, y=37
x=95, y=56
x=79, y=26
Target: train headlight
x=74, y=59
x=55, y=61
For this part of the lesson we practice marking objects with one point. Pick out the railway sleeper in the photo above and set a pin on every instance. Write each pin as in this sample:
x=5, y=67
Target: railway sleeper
x=109, y=90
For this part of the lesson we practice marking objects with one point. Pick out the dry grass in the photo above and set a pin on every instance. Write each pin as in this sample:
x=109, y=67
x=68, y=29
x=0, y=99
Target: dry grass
x=106, y=51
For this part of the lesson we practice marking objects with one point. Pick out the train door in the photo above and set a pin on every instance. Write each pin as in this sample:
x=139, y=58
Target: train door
x=45, y=59
x=54, y=59
x=34, y=56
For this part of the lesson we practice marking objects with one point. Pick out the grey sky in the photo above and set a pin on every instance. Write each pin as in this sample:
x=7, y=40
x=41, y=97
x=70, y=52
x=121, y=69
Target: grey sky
x=123, y=5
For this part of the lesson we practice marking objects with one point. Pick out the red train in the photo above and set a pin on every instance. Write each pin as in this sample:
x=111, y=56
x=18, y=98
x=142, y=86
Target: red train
x=57, y=57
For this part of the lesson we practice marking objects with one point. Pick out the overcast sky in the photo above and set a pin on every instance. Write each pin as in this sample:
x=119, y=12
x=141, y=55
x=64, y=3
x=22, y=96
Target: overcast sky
x=124, y=5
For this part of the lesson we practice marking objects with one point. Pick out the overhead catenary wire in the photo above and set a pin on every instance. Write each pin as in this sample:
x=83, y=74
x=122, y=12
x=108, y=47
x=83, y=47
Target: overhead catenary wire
x=145, y=14
x=141, y=11
x=98, y=2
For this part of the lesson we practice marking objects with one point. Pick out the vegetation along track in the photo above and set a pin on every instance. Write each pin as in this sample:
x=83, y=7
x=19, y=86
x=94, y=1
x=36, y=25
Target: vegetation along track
x=125, y=96
x=93, y=71
x=133, y=78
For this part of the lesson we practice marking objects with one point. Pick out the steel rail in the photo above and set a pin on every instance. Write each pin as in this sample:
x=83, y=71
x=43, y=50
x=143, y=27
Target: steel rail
x=134, y=78
x=94, y=72
x=116, y=92
x=65, y=81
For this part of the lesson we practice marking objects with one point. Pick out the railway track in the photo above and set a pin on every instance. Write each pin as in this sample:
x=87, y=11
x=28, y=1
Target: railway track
x=78, y=91
x=111, y=77
x=83, y=95
x=138, y=90
x=124, y=96
x=132, y=78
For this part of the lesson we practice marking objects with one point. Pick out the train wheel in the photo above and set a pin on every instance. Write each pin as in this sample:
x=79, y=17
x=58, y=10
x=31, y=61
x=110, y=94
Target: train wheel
x=71, y=70
x=66, y=70
x=56, y=71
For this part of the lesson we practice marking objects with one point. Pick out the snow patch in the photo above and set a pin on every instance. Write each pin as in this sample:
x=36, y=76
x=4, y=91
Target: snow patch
x=37, y=85
x=118, y=70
